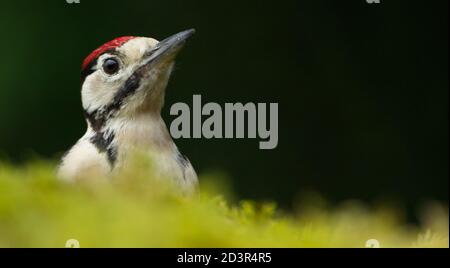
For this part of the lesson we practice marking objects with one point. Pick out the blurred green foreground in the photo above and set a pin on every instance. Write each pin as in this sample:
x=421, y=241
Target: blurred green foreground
x=132, y=210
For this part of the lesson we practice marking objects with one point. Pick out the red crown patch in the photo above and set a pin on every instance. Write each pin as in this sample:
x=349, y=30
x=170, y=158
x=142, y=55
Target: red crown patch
x=105, y=47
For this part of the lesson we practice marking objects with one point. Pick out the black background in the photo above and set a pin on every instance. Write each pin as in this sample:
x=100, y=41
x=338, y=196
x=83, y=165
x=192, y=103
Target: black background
x=362, y=89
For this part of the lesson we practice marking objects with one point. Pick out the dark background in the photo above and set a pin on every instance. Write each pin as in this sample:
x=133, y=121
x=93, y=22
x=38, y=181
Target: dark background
x=362, y=89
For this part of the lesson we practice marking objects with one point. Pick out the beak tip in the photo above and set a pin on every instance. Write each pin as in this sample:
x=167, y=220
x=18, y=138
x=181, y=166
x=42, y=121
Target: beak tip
x=183, y=36
x=169, y=46
x=189, y=32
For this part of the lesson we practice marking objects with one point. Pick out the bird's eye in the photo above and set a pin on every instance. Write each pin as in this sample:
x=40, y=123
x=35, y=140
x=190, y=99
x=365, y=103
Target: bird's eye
x=111, y=66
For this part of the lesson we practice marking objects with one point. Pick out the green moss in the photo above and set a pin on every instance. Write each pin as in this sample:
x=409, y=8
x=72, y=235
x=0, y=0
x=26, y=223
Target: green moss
x=132, y=210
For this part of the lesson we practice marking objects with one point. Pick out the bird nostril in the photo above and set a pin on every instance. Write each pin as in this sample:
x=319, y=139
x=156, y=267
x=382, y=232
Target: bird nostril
x=151, y=51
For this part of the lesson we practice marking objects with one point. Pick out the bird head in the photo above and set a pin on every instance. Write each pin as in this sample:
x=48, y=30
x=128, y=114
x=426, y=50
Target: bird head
x=128, y=76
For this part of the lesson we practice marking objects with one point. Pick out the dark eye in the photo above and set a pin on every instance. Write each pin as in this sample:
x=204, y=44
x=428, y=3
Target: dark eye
x=111, y=66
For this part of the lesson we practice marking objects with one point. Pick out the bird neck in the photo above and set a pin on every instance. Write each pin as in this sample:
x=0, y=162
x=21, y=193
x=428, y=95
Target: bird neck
x=142, y=130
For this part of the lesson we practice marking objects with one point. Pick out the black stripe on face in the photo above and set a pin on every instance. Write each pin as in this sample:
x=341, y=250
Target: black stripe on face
x=103, y=142
x=99, y=117
x=112, y=155
x=102, y=139
x=96, y=119
x=128, y=89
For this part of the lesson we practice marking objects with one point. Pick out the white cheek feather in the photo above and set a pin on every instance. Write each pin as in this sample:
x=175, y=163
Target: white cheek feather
x=99, y=88
x=95, y=94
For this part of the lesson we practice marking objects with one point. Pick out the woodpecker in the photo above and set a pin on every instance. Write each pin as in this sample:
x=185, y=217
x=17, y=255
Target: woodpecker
x=123, y=88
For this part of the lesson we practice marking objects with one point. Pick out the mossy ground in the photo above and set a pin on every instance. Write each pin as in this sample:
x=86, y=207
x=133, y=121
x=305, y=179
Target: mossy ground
x=131, y=210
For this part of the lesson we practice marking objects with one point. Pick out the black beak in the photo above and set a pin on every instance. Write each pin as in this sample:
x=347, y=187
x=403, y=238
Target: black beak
x=168, y=48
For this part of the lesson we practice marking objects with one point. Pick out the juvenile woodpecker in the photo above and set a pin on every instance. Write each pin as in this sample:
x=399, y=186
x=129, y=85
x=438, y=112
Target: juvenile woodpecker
x=123, y=88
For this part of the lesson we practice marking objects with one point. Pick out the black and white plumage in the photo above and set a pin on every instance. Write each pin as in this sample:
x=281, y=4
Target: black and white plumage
x=122, y=94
